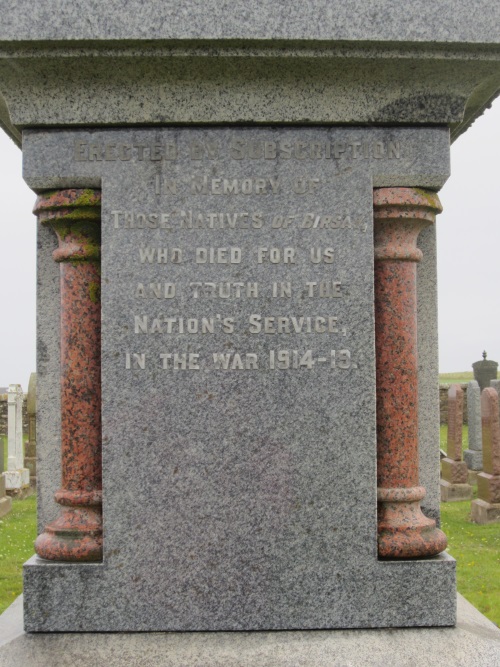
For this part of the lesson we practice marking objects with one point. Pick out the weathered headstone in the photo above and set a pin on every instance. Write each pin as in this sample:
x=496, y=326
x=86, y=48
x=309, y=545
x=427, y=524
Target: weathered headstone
x=5, y=501
x=496, y=386
x=30, y=447
x=485, y=371
x=16, y=476
x=486, y=508
x=473, y=456
x=454, y=482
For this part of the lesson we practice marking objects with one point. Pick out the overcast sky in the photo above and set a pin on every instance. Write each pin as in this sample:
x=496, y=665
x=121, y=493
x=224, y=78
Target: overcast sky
x=468, y=256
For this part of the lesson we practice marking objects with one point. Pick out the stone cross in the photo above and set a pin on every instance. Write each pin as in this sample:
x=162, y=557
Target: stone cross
x=454, y=484
x=486, y=509
x=473, y=456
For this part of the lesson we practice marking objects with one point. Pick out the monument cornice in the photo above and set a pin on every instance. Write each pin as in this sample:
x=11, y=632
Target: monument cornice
x=208, y=82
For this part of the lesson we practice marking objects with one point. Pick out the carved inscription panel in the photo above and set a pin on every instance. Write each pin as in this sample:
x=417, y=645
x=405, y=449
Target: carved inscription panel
x=238, y=337
x=242, y=251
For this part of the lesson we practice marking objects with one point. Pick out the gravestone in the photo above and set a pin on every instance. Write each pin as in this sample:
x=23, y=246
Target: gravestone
x=30, y=447
x=454, y=482
x=486, y=508
x=473, y=456
x=16, y=476
x=485, y=371
x=5, y=500
x=266, y=187
x=496, y=386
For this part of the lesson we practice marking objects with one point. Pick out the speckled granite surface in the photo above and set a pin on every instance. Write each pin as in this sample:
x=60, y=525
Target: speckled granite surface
x=242, y=498
x=474, y=642
x=84, y=63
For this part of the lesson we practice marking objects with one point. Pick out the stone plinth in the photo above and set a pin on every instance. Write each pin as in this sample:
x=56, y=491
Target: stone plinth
x=454, y=483
x=5, y=501
x=486, y=509
x=474, y=642
x=237, y=366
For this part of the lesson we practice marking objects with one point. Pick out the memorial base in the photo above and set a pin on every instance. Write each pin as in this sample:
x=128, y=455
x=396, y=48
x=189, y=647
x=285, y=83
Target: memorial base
x=474, y=641
x=472, y=478
x=5, y=505
x=5, y=501
x=16, y=481
x=473, y=459
x=451, y=493
x=112, y=600
x=483, y=512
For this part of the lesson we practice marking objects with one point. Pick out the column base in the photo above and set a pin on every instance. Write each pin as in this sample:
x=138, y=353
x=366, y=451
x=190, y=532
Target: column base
x=451, y=493
x=403, y=530
x=75, y=536
x=483, y=512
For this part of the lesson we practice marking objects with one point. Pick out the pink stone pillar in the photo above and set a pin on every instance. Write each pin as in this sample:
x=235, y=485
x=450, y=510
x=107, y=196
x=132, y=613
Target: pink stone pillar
x=403, y=531
x=75, y=216
x=455, y=473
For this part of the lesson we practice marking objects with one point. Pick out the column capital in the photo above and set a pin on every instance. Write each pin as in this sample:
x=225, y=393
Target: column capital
x=75, y=216
x=400, y=214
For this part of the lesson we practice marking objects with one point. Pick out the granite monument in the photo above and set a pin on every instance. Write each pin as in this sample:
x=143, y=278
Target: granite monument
x=237, y=379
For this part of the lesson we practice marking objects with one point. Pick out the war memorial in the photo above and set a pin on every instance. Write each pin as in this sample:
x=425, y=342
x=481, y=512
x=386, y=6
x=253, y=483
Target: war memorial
x=237, y=400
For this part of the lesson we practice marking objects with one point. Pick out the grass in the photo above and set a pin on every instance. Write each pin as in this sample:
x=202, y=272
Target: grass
x=17, y=534
x=458, y=378
x=477, y=552
x=476, y=549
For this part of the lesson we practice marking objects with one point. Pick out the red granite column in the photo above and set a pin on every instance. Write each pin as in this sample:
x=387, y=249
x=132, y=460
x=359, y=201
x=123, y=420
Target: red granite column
x=403, y=531
x=75, y=216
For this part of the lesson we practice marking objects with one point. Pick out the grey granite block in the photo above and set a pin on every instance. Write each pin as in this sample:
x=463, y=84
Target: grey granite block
x=317, y=20
x=388, y=63
x=474, y=416
x=474, y=642
x=473, y=459
x=238, y=497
